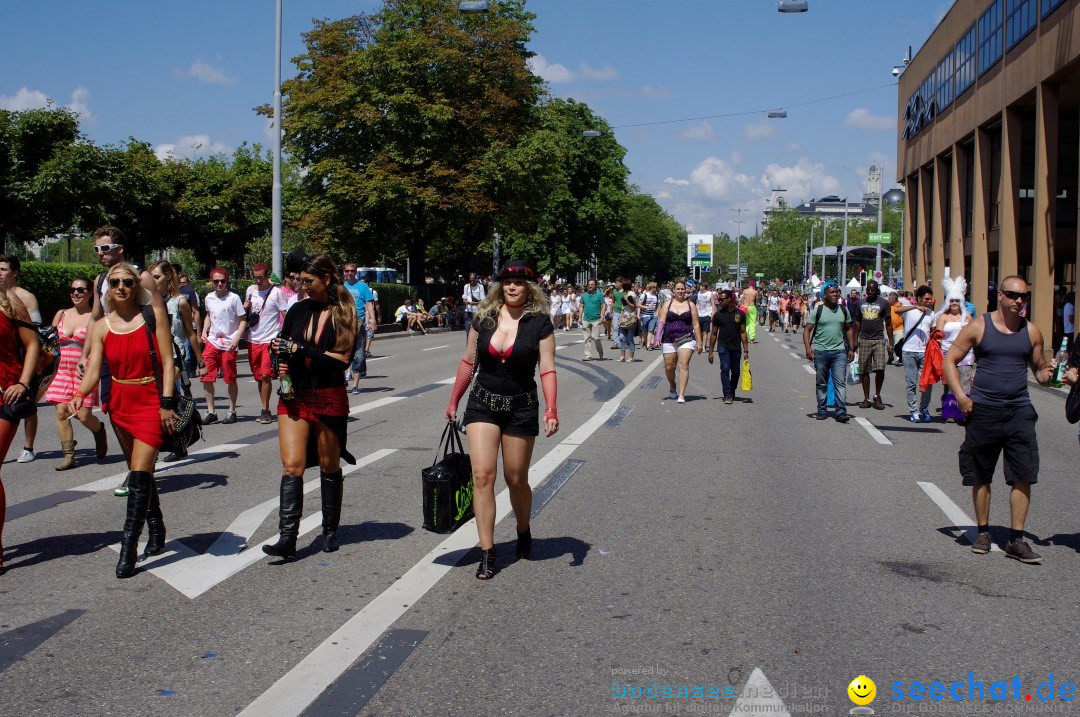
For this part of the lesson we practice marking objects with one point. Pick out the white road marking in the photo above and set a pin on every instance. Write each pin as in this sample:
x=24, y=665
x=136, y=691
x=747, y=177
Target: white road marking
x=193, y=573
x=809, y=369
x=379, y=358
x=953, y=512
x=873, y=431
x=795, y=355
x=447, y=381
x=758, y=698
x=377, y=403
x=115, y=480
x=435, y=348
x=293, y=692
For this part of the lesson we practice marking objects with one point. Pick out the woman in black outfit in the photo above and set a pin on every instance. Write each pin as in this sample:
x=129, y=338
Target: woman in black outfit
x=314, y=348
x=513, y=333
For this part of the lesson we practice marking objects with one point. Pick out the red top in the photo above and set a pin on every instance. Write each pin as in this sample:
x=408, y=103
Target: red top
x=135, y=409
x=10, y=365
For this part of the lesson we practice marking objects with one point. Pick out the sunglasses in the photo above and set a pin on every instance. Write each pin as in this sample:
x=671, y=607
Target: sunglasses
x=128, y=282
x=102, y=248
x=308, y=282
x=219, y=281
x=1014, y=295
x=79, y=290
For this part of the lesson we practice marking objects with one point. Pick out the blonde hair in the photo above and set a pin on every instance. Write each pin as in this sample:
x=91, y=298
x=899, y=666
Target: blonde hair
x=488, y=311
x=142, y=296
x=173, y=284
x=13, y=307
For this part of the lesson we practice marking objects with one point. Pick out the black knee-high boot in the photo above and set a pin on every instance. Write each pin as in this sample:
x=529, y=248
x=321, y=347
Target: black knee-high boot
x=292, y=507
x=155, y=523
x=138, y=500
x=332, y=486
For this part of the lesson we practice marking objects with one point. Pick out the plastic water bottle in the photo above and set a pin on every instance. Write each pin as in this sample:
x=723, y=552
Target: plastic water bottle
x=1062, y=358
x=285, y=389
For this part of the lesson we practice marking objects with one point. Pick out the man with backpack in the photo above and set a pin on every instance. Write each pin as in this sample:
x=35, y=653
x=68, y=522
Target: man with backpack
x=265, y=307
x=829, y=342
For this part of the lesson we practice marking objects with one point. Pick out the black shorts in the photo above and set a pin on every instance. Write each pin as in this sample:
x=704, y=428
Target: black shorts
x=519, y=422
x=706, y=325
x=990, y=430
x=774, y=315
x=796, y=317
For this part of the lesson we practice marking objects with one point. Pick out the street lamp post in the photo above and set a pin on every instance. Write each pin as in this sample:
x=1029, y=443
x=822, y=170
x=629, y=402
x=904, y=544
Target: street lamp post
x=880, y=204
x=824, y=237
x=843, y=259
x=275, y=235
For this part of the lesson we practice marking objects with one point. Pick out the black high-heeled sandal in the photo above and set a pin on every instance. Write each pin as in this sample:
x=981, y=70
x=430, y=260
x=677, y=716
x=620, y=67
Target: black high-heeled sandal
x=524, y=544
x=486, y=569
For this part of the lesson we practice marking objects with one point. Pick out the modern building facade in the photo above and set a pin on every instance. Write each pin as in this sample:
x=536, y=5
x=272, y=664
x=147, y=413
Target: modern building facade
x=989, y=151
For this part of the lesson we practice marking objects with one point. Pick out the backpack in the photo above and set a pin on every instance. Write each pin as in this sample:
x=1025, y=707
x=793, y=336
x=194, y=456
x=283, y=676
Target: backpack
x=48, y=359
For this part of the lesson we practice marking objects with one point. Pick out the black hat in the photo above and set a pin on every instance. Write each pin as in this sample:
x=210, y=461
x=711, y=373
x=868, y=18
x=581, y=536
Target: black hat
x=517, y=269
x=296, y=261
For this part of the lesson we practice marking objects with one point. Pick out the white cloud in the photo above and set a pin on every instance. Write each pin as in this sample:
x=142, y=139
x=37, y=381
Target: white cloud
x=655, y=92
x=607, y=72
x=862, y=118
x=191, y=145
x=677, y=182
x=803, y=179
x=24, y=99
x=758, y=130
x=664, y=195
x=716, y=179
x=793, y=148
x=553, y=73
x=27, y=99
x=205, y=72
x=699, y=133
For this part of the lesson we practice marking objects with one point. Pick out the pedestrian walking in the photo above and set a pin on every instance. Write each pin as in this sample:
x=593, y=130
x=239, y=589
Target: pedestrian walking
x=628, y=321
x=513, y=335
x=71, y=329
x=874, y=316
x=191, y=361
x=225, y=322
x=617, y=294
x=952, y=319
x=608, y=302
x=748, y=303
x=829, y=339
x=1000, y=417
x=592, y=312
x=141, y=409
x=471, y=296
x=16, y=337
x=918, y=323
x=264, y=307
x=728, y=337
x=314, y=348
x=706, y=305
x=10, y=268
x=648, y=303
x=795, y=312
x=679, y=336
x=364, y=302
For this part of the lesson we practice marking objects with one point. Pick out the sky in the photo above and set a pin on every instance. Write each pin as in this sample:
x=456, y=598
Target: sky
x=185, y=75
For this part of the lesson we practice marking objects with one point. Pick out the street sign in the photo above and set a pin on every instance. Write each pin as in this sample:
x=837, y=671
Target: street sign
x=699, y=262
x=732, y=267
x=880, y=238
x=878, y=276
x=759, y=275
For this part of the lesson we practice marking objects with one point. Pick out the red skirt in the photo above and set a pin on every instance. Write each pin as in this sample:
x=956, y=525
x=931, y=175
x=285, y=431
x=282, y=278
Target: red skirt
x=137, y=410
x=329, y=406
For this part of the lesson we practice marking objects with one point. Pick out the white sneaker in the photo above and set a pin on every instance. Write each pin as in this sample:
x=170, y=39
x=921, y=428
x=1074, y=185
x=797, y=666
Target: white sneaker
x=26, y=456
x=681, y=400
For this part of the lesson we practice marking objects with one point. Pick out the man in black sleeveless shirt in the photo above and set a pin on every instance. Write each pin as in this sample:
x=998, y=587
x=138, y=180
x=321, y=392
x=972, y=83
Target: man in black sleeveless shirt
x=999, y=411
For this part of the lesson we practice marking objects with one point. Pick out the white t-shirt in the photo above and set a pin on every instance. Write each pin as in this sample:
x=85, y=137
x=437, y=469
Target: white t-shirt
x=774, y=303
x=472, y=293
x=269, y=311
x=916, y=342
x=1069, y=316
x=225, y=315
x=704, y=304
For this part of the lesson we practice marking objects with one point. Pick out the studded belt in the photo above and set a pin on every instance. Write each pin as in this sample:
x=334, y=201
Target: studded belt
x=504, y=404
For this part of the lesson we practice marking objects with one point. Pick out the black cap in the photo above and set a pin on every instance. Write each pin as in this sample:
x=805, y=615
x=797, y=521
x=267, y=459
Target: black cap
x=517, y=269
x=296, y=261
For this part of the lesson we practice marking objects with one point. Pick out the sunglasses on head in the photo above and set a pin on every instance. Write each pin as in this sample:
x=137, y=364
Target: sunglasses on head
x=1014, y=295
x=102, y=248
x=128, y=282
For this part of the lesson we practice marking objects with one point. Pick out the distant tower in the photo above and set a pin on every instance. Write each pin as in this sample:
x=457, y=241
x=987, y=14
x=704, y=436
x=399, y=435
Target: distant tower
x=873, y=186
x=777, y=203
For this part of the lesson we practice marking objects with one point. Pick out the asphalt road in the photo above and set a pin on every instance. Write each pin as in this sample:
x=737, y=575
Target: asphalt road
x=747, y=554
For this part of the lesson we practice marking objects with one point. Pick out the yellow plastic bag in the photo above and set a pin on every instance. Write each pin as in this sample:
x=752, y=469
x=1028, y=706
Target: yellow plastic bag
x=746, y=383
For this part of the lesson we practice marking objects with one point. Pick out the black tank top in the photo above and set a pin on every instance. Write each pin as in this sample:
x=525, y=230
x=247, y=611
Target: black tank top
x=1001, y=366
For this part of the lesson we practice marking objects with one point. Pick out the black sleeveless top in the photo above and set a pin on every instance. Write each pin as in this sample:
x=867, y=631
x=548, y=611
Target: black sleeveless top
x=1002, y=360
x=301, y=322
x=513, y=373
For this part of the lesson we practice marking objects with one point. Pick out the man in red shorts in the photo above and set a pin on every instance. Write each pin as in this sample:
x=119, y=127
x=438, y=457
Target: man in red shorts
x=265, y=307
x=225, y=322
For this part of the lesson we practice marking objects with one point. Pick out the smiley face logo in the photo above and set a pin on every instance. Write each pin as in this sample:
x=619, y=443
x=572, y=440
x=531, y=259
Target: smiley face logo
x=862, y=690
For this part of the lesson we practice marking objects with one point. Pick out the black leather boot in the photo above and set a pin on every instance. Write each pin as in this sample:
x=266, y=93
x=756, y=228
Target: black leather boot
x=155, y=523
x=292, y=507
x=138, y=500
x=332, y=486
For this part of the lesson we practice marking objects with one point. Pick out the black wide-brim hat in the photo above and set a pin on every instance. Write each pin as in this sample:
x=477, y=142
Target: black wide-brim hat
x=517, y=269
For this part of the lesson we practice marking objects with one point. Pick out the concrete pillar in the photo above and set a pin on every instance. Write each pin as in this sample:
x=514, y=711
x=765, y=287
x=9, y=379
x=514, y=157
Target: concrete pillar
x=1010, y=188
x=1044, y=230
x=956, y=207
x=980, y=225
x=937, y=228
x=922, y=231
x=911, y=194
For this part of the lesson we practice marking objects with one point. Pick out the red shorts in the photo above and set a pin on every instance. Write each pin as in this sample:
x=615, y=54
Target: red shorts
x=215, y=358
x=259, y=358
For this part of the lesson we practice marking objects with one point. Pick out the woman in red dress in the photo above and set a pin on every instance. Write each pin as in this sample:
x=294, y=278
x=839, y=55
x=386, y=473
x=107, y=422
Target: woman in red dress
x=15, y=376
x=139, y=418
x=313, y=349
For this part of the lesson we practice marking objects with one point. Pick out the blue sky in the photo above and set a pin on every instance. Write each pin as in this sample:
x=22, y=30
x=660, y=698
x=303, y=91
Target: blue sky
x=185, y=75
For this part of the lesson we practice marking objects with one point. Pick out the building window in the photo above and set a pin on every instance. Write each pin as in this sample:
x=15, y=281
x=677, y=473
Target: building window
x=965, y=62
x=1048, y=6
x=989, y=37
x=943, y=82
x=1020, y=19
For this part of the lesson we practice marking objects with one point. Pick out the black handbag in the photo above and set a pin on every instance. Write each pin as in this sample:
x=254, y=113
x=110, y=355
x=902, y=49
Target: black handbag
x=187, y=426
x=1072, y=402
x=448, y=485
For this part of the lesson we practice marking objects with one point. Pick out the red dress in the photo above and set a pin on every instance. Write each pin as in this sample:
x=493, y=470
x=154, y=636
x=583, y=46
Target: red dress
x=10, y=342
x=134, y=408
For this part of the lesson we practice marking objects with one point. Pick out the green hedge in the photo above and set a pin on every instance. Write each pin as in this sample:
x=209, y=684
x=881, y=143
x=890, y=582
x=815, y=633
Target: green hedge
x=50, y=282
